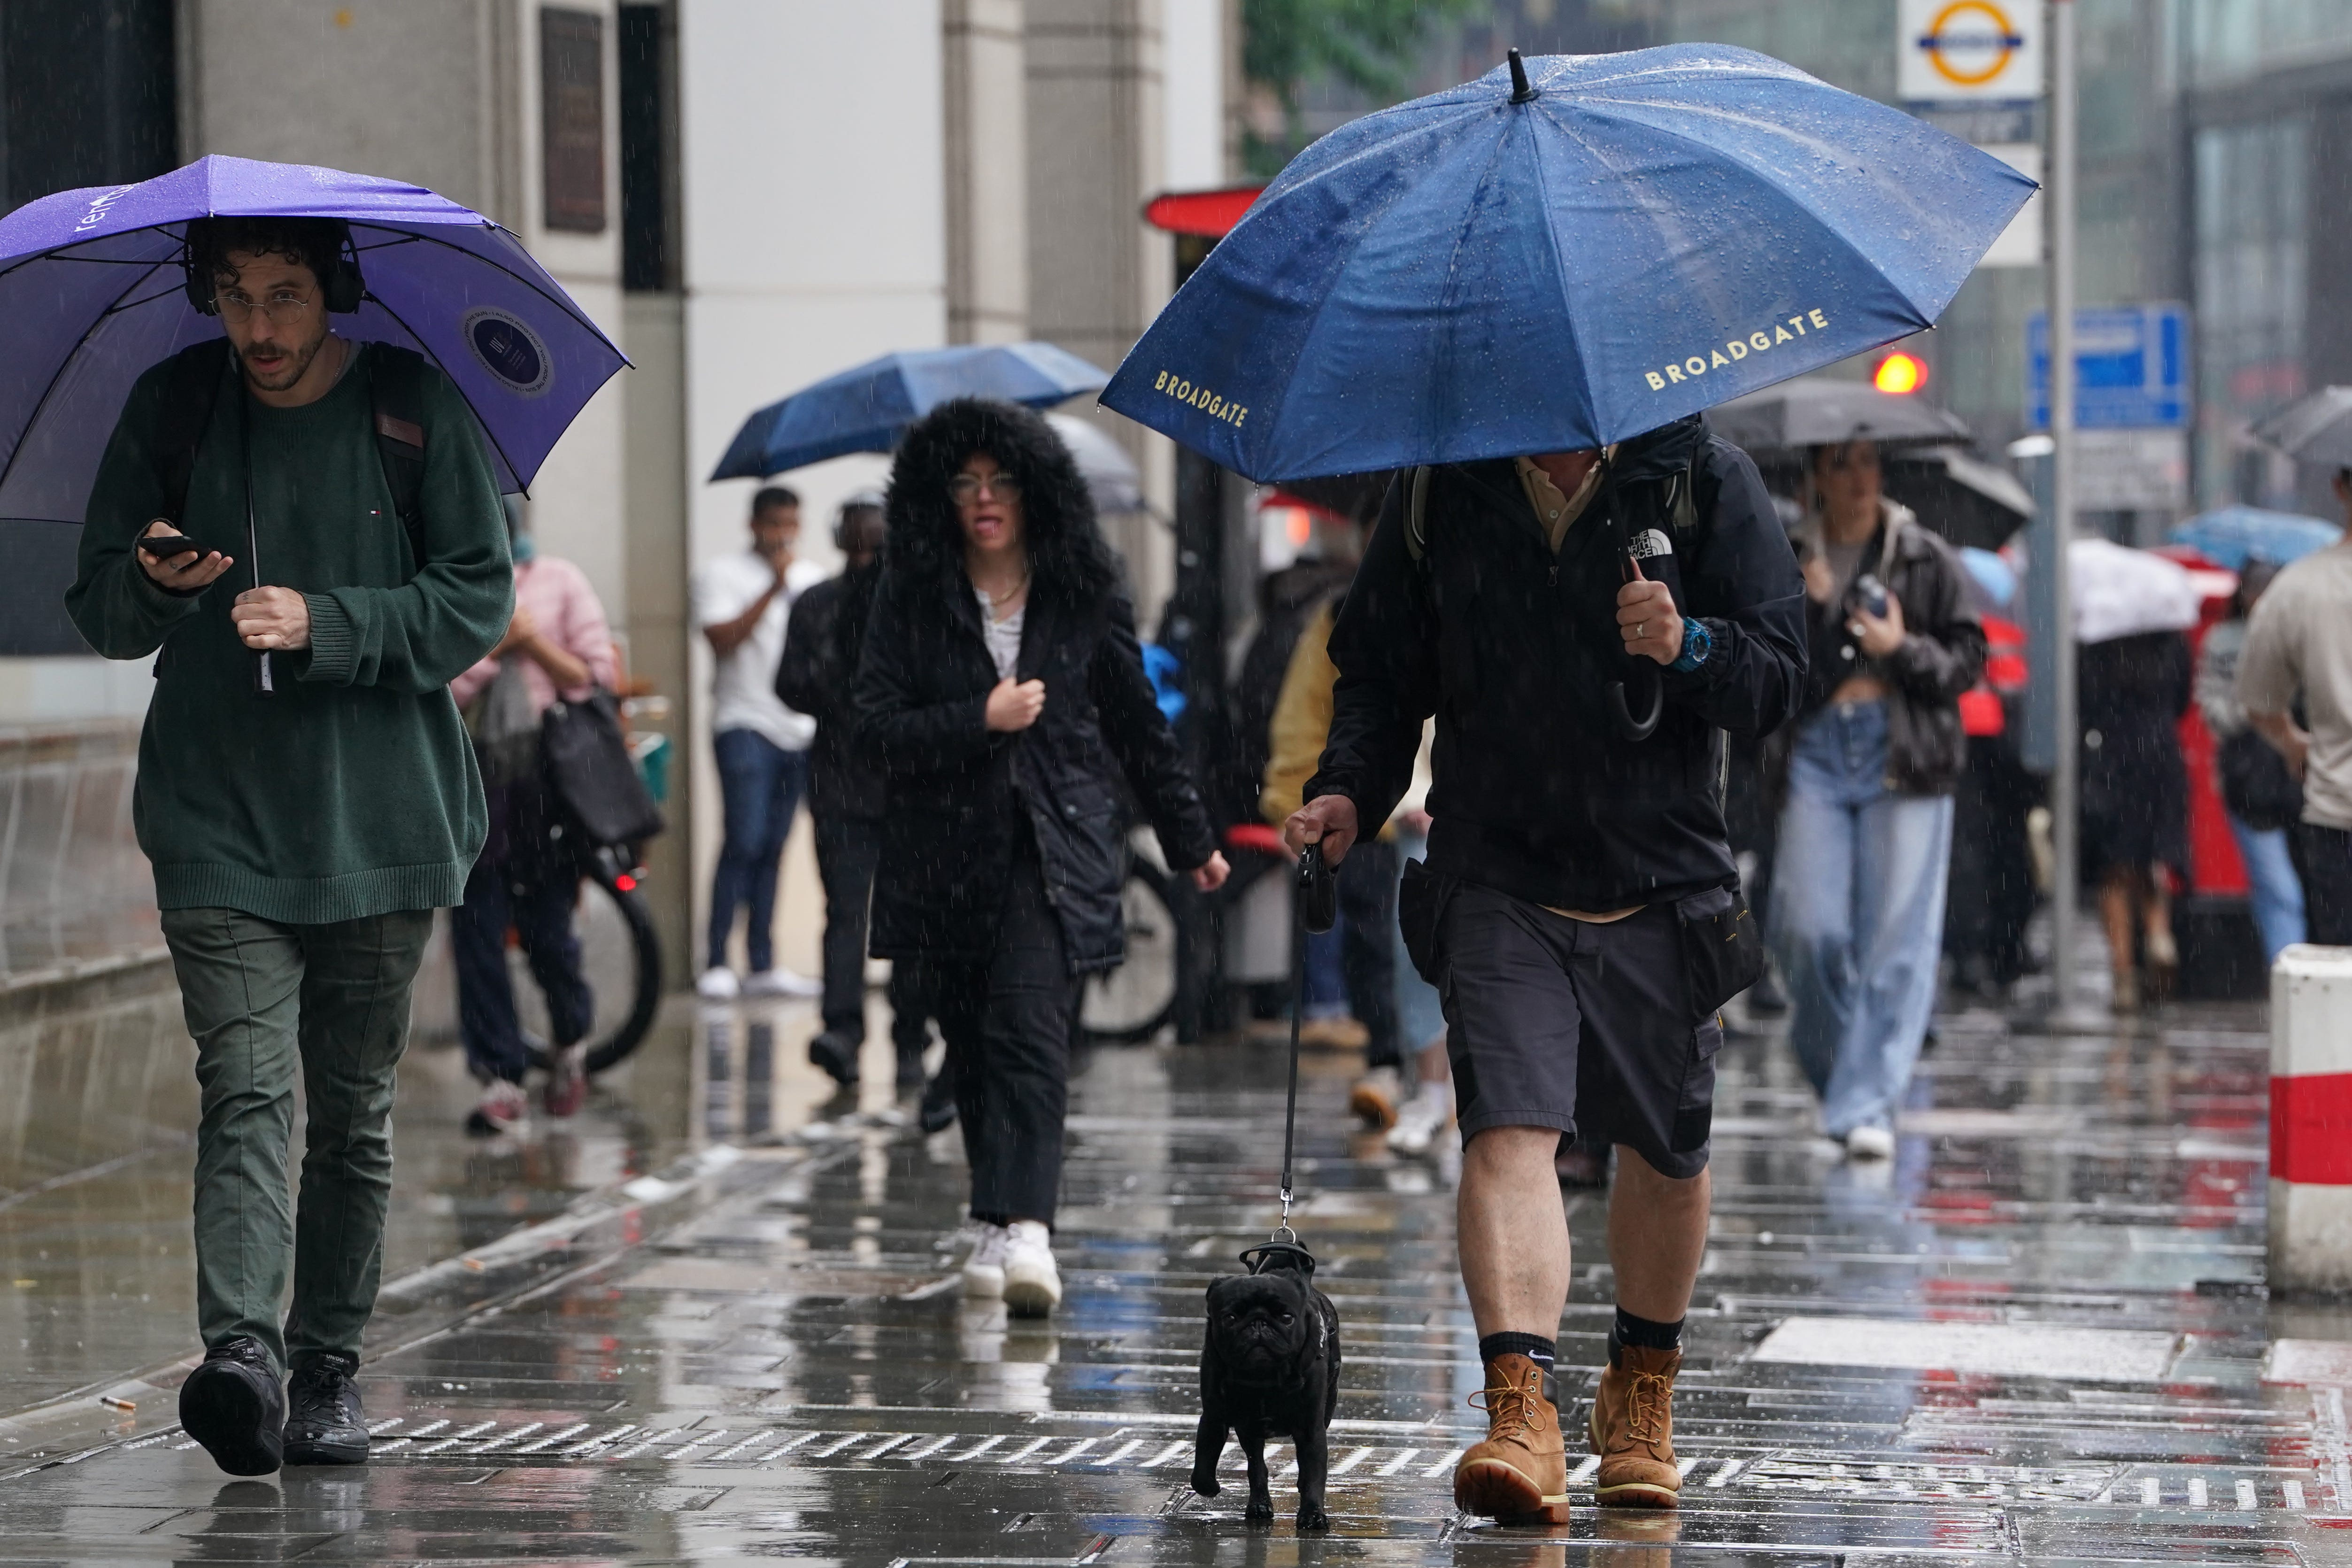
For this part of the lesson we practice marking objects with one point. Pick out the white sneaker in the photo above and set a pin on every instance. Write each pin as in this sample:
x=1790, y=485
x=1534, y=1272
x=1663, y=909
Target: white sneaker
x=1376, y=1097
x=1424, y=1116
x=1870, y=1143
x=717, y=984
x=1032, y=1285
x=983, y=1270
x=781, y=982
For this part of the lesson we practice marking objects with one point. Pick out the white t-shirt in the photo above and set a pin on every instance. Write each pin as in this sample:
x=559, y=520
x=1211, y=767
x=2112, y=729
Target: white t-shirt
x=743, y=692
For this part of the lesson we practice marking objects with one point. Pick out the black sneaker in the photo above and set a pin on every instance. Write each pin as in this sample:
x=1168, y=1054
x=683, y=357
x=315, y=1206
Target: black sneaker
x=234, y=1406
x=326, y=1426
x=939, y=1112
x=837, y=1054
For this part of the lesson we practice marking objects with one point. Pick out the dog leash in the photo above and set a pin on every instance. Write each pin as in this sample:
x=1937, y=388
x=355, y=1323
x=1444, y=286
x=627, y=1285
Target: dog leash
x=1316, y=899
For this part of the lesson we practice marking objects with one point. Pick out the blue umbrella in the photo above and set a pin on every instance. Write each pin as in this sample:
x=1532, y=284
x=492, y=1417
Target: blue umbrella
x=2234, y=534
x=868, y=409
x=91, y=294
x=1558, y=260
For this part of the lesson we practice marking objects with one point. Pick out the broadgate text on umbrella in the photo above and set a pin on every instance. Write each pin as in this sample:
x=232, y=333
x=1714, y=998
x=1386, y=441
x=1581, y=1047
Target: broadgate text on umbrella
x=1199, y=397
x=1740, y=348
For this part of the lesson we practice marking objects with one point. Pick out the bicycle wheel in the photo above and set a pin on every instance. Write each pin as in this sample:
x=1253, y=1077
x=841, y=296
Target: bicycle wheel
x=1131, y=1003
x=619, y=957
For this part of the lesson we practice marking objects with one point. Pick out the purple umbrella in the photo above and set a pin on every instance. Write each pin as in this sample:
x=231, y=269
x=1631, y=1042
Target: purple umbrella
x=91, y=294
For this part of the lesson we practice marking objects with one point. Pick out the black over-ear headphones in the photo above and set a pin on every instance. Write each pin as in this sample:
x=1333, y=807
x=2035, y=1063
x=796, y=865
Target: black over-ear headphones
x=341, y=283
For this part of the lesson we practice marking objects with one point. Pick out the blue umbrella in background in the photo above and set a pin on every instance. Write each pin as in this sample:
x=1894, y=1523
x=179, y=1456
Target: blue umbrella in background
x=1562, y=258
x=91, y=294
x=2231, y=535
x=868, y=408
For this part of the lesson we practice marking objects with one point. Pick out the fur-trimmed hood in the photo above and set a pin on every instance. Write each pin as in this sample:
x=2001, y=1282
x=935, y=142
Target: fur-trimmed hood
x=1067, y=556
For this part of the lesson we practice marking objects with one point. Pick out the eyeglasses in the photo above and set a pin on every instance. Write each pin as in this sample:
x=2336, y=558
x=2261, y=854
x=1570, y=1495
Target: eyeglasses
x=966, y=488
x=285, y=307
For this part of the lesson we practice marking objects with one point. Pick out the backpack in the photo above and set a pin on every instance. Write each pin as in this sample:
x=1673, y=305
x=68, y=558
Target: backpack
x=395, y=393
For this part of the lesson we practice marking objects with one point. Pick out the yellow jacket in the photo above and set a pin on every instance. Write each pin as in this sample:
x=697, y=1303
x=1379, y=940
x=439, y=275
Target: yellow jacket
x=1302, y=719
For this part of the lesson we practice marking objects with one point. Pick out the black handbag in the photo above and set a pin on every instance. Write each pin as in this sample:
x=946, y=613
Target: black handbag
x=590, y=773
x=2256, y=784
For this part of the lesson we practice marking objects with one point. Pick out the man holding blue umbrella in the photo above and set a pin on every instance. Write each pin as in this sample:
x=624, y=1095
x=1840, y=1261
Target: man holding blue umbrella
x=1517, y=294
x=306, y=788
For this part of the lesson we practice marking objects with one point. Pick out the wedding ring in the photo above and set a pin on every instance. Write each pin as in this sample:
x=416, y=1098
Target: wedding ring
x=1640, y=631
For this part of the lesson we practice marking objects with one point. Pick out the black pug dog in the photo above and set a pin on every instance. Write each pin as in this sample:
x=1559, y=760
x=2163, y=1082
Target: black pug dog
x=1270, y=1367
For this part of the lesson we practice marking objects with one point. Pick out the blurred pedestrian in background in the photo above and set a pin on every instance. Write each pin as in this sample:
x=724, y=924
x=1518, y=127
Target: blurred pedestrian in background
x=816, y=677
x=1992, y=896
x=557, y=645
x=2262, y=798
x=1870, y=765
x=2135, y=802
x=1367, y=879
x=742, y=601
x=1003, y=689
x=2299, y=639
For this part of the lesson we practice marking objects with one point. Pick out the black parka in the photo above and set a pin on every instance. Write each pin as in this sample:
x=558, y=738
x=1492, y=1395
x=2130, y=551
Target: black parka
x=1514, y=648
x=958, y=792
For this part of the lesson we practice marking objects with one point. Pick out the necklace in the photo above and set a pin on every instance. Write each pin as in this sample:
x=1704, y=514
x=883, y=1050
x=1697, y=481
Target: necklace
x=1008, y=596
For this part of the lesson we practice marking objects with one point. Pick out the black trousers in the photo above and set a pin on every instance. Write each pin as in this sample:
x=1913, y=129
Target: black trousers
x=848, y=852
x=518, y=882
x=1007, y=1023
x=1367, y=923
x=2326, y=884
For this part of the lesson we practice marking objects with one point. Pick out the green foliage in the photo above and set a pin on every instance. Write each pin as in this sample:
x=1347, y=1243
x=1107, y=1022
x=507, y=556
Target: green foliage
x=1367, y=44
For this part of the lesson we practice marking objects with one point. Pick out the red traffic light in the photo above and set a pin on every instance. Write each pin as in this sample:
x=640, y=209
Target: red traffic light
x=1899, y=373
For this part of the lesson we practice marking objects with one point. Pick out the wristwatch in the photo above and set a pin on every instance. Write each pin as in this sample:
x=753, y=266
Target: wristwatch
x=1698, y=643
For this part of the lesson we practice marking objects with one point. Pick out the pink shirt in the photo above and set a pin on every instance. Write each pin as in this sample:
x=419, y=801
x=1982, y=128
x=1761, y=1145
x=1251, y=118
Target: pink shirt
x=565, y=607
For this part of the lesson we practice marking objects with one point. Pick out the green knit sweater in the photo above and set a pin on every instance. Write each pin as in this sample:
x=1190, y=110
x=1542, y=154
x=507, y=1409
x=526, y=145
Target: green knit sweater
x=352, y=791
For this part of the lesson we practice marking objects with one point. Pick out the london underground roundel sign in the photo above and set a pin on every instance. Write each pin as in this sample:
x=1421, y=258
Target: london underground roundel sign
x=1969, y=51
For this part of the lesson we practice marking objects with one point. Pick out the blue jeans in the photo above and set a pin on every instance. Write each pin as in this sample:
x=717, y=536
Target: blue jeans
x=760, y=784
x=1421, y=1014
x=2274, y=888
x=1858, y=915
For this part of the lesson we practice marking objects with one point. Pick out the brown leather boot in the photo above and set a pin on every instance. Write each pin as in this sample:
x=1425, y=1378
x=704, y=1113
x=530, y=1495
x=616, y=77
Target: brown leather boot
x=1520, y=1471
x=1633, y=1430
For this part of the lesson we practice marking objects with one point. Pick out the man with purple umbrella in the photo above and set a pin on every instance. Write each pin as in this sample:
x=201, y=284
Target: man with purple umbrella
x=332, y=554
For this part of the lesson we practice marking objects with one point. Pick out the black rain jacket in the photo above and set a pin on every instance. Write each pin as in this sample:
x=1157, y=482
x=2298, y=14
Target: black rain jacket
x=814, y=676
x=1536, y=793
x=958, y=791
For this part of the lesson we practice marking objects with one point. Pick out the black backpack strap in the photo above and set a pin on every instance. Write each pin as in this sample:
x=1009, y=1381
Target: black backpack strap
x=191, y=392
x=396, y=393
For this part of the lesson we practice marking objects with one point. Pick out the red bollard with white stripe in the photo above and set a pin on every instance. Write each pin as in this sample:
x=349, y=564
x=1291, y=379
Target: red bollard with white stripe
x=2311, y=1119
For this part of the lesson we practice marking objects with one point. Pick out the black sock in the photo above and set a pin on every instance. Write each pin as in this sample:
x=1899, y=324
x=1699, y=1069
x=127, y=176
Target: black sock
x=1535, y=1347
x=1641, y=1333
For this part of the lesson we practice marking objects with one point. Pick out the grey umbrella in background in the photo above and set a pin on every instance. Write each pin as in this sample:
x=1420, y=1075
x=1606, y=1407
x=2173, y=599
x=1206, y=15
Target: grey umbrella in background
x=1961, y=496
x=1110, y=474
x=2314, y=428
x=1814, y=411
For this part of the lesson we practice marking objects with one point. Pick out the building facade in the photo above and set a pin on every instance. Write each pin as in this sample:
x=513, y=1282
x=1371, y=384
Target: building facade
x=746, y=194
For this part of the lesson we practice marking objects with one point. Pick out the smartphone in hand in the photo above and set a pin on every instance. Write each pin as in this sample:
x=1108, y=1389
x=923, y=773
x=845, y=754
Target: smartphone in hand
x=163, y=546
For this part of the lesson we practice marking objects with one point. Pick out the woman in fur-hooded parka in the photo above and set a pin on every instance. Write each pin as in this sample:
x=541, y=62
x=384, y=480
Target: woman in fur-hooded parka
x=1000, y=847
x=958, y=791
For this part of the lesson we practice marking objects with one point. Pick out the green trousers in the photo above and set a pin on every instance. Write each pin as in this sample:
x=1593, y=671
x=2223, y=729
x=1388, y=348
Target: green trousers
x=260, y=996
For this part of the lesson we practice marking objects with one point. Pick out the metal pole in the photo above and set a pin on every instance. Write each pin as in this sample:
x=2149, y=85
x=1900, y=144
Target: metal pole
x=2065, y=779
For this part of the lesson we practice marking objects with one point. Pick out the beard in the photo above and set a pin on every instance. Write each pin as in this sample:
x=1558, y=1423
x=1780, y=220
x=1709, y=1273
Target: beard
x=295, y=360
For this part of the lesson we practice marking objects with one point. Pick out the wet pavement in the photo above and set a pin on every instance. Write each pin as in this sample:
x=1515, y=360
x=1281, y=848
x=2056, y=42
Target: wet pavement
x=713, y=1323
